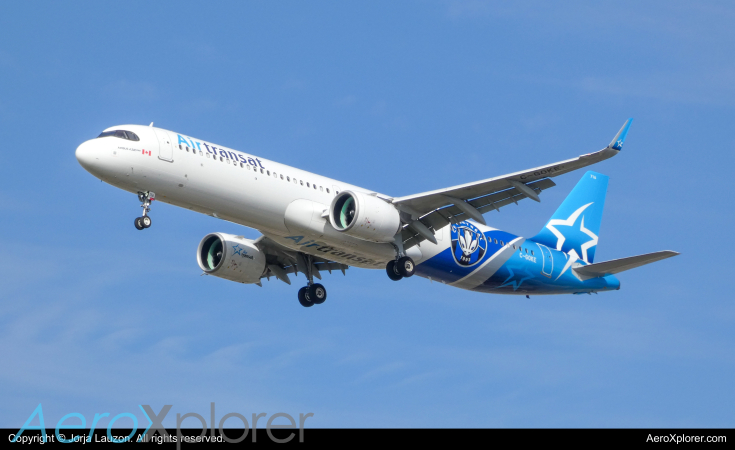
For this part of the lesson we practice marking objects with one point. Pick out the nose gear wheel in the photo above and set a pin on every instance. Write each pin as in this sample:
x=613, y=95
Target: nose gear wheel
x=145, y=221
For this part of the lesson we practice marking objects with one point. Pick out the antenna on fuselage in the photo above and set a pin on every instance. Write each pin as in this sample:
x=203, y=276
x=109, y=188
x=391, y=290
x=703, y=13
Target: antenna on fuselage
x=151, y=124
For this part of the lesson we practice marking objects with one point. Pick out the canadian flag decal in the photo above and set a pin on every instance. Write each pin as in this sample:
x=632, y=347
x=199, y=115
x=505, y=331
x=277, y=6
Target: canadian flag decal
x=147, y=152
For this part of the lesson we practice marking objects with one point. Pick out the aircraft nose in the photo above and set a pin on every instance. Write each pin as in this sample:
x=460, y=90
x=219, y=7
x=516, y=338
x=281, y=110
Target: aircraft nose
x=86, y=154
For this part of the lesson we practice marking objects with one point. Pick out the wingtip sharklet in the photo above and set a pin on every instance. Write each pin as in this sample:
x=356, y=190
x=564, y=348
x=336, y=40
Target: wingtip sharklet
x=619, y=139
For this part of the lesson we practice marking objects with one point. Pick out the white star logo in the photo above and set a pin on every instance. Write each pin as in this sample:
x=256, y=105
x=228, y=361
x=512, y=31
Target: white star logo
x=568, y=223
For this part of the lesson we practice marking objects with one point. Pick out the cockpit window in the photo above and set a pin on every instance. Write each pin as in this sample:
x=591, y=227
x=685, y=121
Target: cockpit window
x=129, y=135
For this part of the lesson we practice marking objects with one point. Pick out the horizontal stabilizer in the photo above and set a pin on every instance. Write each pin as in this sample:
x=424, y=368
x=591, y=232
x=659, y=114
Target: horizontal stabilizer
x=619, y=265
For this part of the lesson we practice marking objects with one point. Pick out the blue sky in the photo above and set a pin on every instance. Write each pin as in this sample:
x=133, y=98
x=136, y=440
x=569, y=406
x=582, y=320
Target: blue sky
x=400, y=97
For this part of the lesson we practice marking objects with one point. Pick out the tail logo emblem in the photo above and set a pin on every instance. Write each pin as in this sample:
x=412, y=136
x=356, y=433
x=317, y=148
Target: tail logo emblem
x=579, y=244
x=468, y=244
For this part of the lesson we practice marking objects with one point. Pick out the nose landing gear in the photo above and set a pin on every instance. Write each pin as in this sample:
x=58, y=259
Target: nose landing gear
x=145, y=221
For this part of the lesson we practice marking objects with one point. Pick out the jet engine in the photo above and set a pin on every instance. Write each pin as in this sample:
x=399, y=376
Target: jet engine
x=365, y=217
x=231, y=257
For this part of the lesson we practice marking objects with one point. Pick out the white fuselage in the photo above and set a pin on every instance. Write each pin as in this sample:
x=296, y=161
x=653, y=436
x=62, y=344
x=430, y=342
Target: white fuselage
x=286, y=204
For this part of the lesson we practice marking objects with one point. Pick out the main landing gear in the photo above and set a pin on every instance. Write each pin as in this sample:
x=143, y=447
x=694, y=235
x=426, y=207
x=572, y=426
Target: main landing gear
x=402, y=267
x=312, y=293
x=145, y=221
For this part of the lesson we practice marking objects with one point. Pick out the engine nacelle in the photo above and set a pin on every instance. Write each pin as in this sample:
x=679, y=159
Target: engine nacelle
x=364, y=216
x=231, y=257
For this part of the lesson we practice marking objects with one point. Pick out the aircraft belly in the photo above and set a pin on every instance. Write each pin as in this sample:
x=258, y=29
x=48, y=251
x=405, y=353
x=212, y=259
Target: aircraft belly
x=368, y=255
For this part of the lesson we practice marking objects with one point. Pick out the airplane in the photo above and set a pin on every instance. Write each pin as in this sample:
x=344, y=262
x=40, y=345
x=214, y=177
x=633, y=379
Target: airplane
x=313, y=224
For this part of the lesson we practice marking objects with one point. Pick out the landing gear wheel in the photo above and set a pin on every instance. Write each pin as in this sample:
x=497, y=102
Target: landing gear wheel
x=317, y=293
x=392, y=271
x=405, y=266
x=146, y=198
x=303, y=297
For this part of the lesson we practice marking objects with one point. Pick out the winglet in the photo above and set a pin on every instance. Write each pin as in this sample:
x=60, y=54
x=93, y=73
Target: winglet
x=619, y=139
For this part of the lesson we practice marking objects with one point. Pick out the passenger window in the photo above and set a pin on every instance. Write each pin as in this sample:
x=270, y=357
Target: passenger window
x=307, y=184
x=187, y=149
x=532, y=253
x=327, y=190
x=302, y=182
x=281, y=176
x=180, y=147
x=208, y=156
x=514, y=246
x=295, y=181
x=248, y=166
x=496, y=241
x=275, y=176
x=502, y=243
x=261, y=170
x=288, y=179
x=315, y=187
x=269, y=173
x=321, y=188
x=526, y=250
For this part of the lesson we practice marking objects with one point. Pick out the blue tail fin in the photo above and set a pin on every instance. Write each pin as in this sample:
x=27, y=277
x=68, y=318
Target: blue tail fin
x=575, y=226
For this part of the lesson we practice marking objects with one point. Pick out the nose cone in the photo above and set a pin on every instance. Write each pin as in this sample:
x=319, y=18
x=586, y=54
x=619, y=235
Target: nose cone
x=85, y=154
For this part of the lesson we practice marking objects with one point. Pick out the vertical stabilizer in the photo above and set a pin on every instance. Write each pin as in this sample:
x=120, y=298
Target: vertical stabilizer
x=575, y=226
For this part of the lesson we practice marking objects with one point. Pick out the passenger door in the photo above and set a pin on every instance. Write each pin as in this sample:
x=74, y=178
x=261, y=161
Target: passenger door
x=165, y=149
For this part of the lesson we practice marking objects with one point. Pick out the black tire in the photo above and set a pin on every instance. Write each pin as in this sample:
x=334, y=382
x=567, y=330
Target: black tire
x=303, y=299
x=405, y=267
x=392, y=271
x=139, y=223
x=146, y=221
x=317, y=293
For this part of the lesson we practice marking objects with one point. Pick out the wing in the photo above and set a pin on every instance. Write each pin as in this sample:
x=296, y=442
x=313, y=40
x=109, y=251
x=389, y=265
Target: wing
x=282, y=261
x=430, y=211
